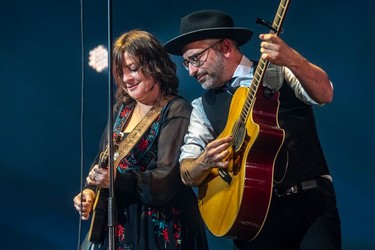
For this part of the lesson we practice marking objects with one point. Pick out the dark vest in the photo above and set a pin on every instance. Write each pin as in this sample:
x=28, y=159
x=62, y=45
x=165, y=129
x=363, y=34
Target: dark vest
x=301, y=147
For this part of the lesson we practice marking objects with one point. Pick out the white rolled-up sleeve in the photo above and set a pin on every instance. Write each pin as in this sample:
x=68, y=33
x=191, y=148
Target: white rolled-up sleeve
x=200, y=132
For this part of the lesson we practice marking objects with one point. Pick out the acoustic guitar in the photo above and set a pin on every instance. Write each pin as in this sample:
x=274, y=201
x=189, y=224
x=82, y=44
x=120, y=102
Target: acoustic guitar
x=234, y=202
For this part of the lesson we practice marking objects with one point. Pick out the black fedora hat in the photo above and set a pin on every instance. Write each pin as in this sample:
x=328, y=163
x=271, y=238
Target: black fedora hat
x=206, y=24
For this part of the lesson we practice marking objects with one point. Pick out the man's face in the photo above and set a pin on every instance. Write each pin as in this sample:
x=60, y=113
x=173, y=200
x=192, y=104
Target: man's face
x=205, y=62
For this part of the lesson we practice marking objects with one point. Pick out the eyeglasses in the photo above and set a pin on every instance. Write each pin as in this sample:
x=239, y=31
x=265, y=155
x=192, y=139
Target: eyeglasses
x=197, y=60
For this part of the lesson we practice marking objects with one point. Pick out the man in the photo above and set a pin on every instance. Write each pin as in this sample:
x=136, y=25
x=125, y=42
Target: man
x=303, y=212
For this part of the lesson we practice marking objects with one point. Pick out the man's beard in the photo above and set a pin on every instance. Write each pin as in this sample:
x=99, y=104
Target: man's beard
x=214, y=79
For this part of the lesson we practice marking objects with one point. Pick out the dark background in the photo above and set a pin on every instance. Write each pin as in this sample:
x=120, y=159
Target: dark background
x=40, y=100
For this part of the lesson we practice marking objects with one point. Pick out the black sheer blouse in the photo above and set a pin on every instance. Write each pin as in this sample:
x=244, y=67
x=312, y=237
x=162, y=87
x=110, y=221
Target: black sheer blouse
x=155, y=210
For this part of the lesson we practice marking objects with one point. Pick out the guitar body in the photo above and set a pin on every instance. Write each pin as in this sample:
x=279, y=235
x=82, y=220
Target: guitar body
x=99, y=217
x=238, y=208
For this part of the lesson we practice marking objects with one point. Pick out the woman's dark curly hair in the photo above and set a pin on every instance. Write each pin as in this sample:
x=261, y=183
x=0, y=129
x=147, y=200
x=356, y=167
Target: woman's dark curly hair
x=152, y=59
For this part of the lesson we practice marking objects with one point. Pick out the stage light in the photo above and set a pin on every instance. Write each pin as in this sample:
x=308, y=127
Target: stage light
x=98, y=58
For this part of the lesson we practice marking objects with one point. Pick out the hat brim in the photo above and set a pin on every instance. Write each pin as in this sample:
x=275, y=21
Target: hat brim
x=175, y=45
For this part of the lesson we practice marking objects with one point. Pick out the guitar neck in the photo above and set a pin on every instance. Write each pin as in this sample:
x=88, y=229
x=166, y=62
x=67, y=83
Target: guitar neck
x=263, y=64
x=280, y=15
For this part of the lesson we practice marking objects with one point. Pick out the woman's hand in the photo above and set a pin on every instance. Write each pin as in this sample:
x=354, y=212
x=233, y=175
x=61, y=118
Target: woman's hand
x=83, y=203
x=98, y=177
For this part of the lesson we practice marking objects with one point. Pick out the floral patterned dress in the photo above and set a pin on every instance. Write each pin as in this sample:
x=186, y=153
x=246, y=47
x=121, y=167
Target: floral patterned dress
x=154, y=209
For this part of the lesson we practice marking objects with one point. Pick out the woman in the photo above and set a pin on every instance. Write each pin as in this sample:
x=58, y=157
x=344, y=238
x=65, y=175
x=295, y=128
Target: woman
x=154, y=209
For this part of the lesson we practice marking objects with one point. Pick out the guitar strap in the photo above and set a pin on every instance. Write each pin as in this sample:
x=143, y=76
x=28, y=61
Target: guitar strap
x=133, y=137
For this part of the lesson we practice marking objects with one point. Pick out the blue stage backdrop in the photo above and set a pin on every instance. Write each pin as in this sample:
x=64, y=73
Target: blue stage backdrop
x=41, y=87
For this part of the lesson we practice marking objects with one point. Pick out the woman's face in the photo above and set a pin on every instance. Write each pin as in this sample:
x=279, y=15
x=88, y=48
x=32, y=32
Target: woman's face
x=139, y=87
